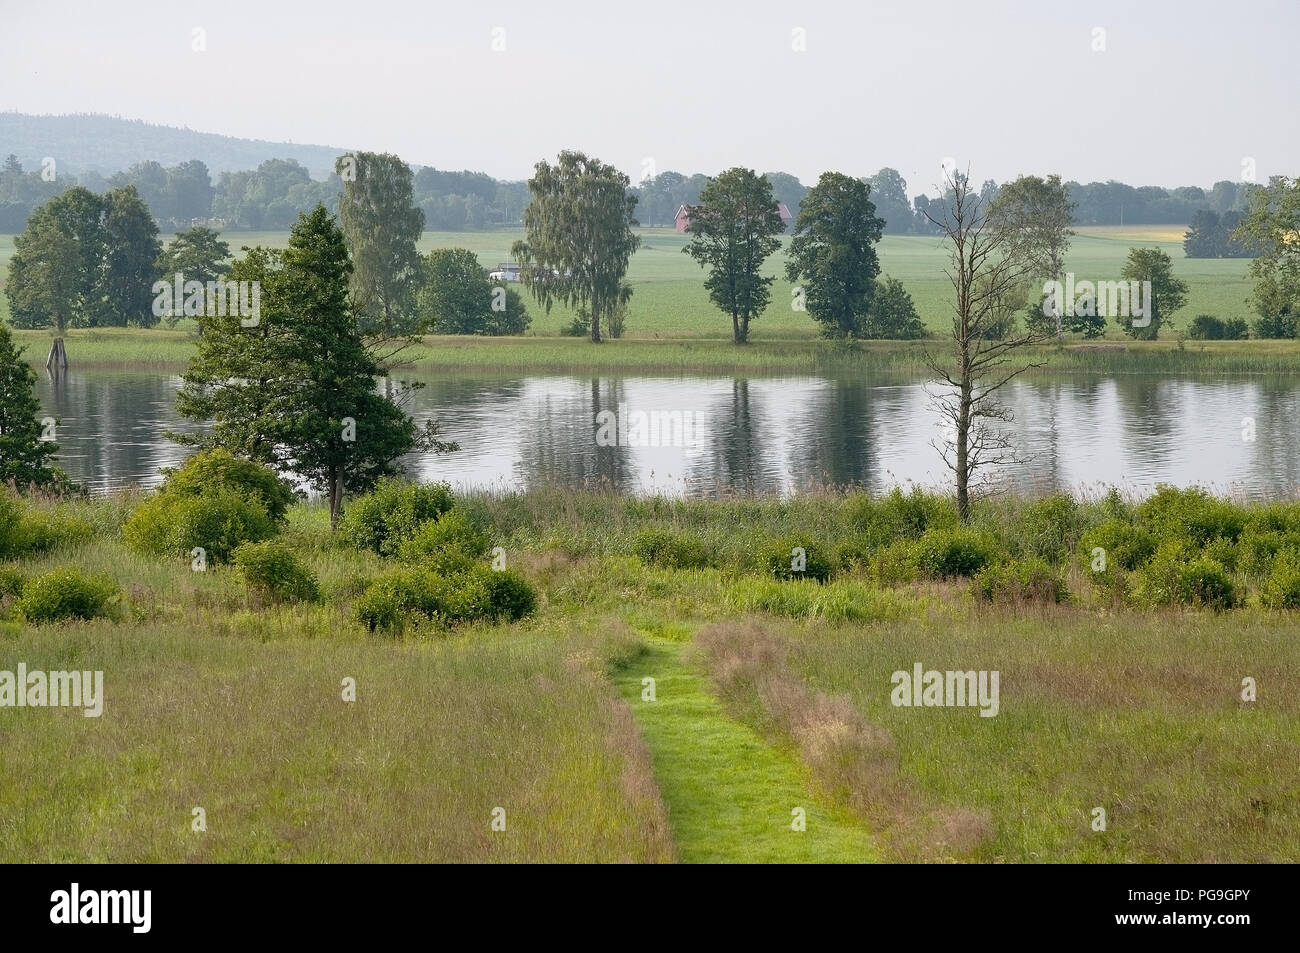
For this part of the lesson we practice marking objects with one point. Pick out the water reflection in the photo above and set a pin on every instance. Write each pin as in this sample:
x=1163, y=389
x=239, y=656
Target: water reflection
x=757, y=435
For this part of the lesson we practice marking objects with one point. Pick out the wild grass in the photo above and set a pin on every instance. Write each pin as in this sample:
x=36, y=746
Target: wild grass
x=215, y=703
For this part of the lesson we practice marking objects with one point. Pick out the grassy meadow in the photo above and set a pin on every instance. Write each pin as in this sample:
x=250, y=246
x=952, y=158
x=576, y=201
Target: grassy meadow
x=770, y=703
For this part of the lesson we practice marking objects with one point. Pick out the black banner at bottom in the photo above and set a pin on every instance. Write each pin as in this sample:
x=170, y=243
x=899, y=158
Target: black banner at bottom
x=1219, y=904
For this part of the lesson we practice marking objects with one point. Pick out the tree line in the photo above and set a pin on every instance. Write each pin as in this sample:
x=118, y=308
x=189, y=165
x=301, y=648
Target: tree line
x=271, y=196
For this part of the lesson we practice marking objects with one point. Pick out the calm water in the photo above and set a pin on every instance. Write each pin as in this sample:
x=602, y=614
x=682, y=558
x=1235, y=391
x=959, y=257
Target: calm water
x=773, y=434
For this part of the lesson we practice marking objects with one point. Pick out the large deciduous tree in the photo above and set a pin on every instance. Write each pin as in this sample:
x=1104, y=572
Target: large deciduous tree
x=1042, y=211
x=298, y=389
x=55, y=273
x=381, y=223
x=456, y=297
x=990, y=268
x=833, y=255
x=1271, y=230
x=578, y=236
x=131, y=250
x=733, y=231
x=1168, y=293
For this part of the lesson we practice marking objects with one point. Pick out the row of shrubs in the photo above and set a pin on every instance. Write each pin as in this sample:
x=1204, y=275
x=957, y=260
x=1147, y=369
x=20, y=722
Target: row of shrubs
x=232, y=510
x=1178, y=547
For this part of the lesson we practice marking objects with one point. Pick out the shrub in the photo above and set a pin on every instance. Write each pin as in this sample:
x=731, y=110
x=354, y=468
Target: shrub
x=671, y=549
x=904, y=516
x=1204, y=582
x=391, y=513
x=782, y=557
x=1157, y=580
x=11, y=581
x=25, y=530
x=67, y=594
x=453, y=531
x=1177, y=575
x=1191, y=513
x=1257, y=550
x=210, y=470
x=272, y=570
x=217, y=521
x=1049, y=528
x=1126, y=545
x=1021, y=580
x=944, y=553
x=1205, y=327
x=416, y=593
x=510, y=597
x=1281, y=590
x=1283, y=325
x=1235, y=329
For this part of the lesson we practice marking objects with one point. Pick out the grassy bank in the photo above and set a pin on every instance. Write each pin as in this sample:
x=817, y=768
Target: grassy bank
x=772, y=693
x=169, y=351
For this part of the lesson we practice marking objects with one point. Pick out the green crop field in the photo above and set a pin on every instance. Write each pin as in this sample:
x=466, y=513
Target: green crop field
x=669, y=299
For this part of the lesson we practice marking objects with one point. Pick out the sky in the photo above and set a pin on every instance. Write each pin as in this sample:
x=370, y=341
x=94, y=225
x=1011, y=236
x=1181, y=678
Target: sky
x=1149, y=92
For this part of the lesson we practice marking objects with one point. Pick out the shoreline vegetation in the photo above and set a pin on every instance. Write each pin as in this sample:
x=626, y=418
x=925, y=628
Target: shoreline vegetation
x=171, y=350
x=674, y=692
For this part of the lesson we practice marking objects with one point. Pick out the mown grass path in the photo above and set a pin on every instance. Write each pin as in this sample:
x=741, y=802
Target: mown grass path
x=730, y=795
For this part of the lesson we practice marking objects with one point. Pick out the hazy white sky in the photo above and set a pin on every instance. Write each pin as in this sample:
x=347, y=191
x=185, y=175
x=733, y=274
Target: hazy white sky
x=1182, y=93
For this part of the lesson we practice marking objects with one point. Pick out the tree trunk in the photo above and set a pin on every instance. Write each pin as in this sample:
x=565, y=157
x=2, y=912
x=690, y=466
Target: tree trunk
x=735, y=328
x=57, y=361
x=744, y=330
x=595, y=323
x=336, y=497
x=963, y=452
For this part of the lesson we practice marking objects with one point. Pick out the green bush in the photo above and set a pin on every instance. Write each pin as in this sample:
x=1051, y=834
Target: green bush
x=452, y=531
x=1205, y=327
x=1020, y=580
x=216, y=521
x=671, y=549
x=1191, y=513
x=1204, y=582
x=392, y=513
x=1235, y=329
x=944, y=553
x=67, y=594
x=1281, y=590
x=1049, y=528
x=210, y=470
x=1178, y=575
x=781, y=557
x=419, y=594
x=271, y=570
x=510, y=597
x=26, y=530
x=900, y=515
x=1126, y=545
x=11, y=581
x=1257, y=550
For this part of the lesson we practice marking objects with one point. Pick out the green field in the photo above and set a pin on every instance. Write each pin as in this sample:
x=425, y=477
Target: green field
x=669, y=299
x=771, y=698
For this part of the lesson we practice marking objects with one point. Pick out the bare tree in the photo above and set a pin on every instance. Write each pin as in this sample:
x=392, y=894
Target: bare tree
x=990, y=272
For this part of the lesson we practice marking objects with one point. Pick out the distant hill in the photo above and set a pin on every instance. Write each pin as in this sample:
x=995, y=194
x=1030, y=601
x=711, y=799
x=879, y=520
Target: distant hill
x=108, y=144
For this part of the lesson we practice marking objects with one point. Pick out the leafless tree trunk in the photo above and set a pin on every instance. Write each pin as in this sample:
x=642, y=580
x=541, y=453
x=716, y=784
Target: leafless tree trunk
x=990, y=272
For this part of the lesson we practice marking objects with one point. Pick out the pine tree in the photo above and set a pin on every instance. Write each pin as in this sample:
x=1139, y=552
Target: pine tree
x=297, y=390
x=24, y=456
